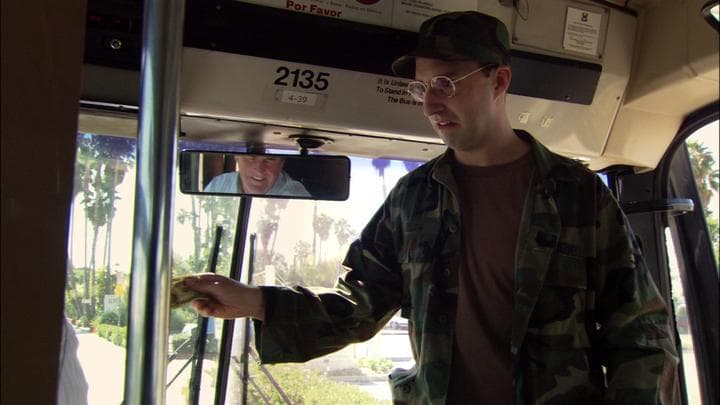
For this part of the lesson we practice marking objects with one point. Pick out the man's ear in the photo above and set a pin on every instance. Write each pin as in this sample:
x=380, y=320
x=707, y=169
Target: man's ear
x=503, y=75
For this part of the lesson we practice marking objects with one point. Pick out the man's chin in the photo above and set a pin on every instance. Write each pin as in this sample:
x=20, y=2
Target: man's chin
x=448, y=134
x=450, y=141
x=250, y=189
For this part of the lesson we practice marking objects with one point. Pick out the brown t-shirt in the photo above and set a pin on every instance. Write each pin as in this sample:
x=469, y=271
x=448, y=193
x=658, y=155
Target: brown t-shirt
x=491, y=204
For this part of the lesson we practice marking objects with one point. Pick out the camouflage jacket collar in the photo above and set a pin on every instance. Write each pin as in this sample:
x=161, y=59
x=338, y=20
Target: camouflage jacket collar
x=548, y=166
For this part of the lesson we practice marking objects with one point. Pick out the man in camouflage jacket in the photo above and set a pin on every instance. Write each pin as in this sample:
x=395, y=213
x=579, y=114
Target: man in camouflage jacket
x=588, y=323
x=577, y=268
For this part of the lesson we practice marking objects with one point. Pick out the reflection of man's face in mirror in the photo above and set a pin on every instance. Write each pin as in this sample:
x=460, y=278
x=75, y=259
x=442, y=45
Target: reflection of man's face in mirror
x=258, y=173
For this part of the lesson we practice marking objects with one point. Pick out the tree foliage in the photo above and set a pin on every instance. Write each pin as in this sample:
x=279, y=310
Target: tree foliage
x=101, y=165
x=706, y=176
x=302, y=251
x=268, y=228
x=303, y=386
x=323, y=274
x=321, y=226
x=714, y=228
x=343, y=231
x=192, y=217
x=217, y=211
x=380, y=165
x=708, y=183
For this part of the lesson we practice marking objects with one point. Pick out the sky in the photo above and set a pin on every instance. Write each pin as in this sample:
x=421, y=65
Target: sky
x=710, y=136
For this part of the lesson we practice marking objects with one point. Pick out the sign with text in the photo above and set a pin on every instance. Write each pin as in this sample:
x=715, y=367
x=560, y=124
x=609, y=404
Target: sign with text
x=582, y=31
x=401, y=14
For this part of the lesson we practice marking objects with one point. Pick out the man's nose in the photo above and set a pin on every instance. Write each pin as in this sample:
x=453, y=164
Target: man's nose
x=434, y=103
x=265, y=166
x=255, y=167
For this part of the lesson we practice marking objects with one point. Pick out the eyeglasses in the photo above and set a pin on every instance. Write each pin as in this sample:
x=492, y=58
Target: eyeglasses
x=443, y=85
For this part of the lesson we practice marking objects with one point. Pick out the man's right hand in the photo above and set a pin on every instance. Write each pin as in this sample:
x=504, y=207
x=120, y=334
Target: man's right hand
x=227, y=298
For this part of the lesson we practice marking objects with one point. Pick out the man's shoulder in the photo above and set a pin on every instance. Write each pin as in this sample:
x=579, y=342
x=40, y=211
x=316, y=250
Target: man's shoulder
x=553, y=165
x=292, y=187
x=226, y=176
x=565, y=168
x=417, y=178
x=573, y=167
x=224, y=183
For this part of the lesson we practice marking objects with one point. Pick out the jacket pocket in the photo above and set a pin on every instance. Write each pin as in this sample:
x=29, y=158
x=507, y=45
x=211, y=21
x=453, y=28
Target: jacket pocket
x=419, y=237
x=559, y=317
x=567, y=271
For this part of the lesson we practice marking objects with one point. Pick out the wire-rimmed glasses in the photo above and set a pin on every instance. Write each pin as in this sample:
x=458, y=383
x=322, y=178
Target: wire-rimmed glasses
x=441, y=84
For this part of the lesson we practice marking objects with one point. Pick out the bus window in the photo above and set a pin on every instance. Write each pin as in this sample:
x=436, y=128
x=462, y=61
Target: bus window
x=702, y=148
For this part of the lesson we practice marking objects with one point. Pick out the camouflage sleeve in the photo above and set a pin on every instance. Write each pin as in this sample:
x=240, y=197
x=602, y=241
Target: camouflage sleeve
x=636, y=343
x=302, y=323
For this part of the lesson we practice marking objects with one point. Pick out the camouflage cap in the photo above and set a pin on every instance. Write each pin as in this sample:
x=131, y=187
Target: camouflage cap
x=460, y=35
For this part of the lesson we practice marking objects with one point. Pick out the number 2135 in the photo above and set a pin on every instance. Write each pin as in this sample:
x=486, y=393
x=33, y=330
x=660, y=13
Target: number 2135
x=304, y=79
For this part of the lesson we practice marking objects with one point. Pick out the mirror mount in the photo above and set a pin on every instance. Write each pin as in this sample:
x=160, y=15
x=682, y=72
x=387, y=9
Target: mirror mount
x=255, y=148
x=306, y=142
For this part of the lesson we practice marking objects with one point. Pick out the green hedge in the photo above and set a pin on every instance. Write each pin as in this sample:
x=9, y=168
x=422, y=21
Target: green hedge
x=305, y=386
x=112, y=333
x=109, y=318
x=377, y=365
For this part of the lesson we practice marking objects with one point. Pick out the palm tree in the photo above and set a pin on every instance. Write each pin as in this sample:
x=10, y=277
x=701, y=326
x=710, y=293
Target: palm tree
x=706, y=177
x=411, y=165
x=81, y=185
x=116, y=169
x=301, y=253
x=380, y=165
x=105, y=161
x=268, y=228
x=343, y=231
x=193, y=217
x=321, y=225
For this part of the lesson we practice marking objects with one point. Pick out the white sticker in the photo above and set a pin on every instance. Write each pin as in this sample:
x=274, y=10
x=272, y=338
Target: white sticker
x=376, y=12
x=582, y=31
x=297, y=97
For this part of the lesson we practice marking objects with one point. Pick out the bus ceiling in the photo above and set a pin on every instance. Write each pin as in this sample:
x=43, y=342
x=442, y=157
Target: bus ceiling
x=606, y=82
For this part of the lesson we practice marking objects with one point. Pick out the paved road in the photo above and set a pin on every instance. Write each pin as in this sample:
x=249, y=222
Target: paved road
x=104, y=366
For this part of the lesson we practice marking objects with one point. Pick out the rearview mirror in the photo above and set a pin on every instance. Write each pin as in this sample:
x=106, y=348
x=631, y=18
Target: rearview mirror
x=314, y=177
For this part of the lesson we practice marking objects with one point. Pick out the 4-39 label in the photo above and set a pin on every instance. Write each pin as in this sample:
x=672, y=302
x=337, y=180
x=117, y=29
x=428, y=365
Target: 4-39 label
x=304, y=79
